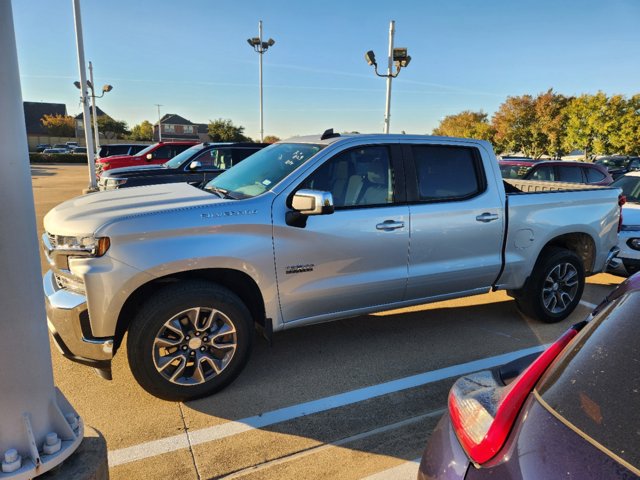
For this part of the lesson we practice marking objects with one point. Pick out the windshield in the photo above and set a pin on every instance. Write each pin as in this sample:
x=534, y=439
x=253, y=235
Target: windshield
x=611, y=162
x=263, y=170
x=146, y=150
x=176, y=161
x=630, y=186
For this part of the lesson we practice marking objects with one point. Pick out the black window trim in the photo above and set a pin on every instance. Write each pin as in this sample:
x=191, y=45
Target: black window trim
x=411, y=173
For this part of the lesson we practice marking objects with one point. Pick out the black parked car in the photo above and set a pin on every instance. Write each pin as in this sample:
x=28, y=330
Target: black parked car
x=619, y=165
x=120, y=149
x=196, y=165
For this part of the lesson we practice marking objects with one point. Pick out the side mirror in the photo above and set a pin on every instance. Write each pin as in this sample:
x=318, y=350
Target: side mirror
x=149, y=156
x=308, y=202
x=312, y=202
x=195, y=165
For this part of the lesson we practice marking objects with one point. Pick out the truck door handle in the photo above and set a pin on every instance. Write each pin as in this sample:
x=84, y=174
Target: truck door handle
x=389, y=225
x=487, y=217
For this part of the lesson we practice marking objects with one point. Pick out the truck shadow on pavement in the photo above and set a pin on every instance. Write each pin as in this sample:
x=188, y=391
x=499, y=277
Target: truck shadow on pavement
x=319, y=361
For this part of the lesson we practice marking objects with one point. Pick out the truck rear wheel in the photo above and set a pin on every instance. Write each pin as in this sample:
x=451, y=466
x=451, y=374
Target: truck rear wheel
x=554, y=287
x=190, y=340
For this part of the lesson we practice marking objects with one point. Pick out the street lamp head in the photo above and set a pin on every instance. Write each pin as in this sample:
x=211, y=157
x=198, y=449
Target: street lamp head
x=370, y=57
x=77, y=84
x=89, y=84
x=250, y=41
x=271, y=42
x=400, y=57
x=107, y=88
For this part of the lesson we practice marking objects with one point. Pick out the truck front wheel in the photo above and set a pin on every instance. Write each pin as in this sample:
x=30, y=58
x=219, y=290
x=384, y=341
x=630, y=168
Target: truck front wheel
x=554, y=287
x=189, y=341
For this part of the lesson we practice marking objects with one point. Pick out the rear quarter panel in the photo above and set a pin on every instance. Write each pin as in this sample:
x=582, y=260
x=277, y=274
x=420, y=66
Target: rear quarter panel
x=535, y=219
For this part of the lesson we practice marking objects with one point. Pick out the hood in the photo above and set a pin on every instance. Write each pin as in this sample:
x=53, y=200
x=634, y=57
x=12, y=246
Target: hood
x=115, y=158
x=631, y=214
x=123, y=171
x=84, y=215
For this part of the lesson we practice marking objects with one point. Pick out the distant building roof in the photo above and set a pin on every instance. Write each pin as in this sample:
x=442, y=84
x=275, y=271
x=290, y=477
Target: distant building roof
x=173, y=119
x=99, y=113
x=34, y=111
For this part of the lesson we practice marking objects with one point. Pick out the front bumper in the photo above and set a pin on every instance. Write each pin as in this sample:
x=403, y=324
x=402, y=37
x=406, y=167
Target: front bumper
x=68, y=321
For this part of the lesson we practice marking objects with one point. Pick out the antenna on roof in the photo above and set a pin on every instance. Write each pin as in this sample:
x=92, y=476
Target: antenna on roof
x=329, y=134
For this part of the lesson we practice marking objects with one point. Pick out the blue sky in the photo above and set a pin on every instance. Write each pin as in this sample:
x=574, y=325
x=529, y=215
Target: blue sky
x=192, y=57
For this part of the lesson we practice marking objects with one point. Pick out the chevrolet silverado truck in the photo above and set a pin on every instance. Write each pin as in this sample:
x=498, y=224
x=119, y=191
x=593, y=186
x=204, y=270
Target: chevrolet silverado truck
x=307, y=230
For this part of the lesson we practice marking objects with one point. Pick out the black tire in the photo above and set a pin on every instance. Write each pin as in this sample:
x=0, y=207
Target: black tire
x=548, y=300
x=159, y=343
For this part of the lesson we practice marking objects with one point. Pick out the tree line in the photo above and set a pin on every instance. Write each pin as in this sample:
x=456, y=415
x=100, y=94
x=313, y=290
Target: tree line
x=220, y=130
x=554, y=125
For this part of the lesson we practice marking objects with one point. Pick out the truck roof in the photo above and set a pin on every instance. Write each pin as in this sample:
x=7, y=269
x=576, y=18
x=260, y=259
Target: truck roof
x=318, y=139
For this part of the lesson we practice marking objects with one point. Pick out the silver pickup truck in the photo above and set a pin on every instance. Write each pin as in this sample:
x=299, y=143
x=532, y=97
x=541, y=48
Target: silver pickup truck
x=307, y=230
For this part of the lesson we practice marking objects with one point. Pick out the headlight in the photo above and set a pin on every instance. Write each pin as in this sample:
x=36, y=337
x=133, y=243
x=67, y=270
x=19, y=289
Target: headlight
x=61, y=248
x=115, y=182
x=95, y=246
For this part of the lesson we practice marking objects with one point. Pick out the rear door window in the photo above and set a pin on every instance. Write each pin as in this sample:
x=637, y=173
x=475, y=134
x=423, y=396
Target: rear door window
x=570, y=174
x=545, y=173
x=594, y=175
x=596, y=385
x=447, y=173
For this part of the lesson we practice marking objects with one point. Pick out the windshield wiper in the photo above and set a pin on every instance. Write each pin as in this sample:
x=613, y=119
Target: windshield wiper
x=221, y=192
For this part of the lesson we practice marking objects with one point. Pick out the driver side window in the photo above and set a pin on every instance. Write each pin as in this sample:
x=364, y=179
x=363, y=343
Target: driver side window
x=358, y=177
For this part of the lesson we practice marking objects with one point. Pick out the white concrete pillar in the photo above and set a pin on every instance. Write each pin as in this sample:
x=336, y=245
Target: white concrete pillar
x=38, y=427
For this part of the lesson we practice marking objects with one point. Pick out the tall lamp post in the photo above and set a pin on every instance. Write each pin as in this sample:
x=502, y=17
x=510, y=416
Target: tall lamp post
x=260, y=47
x=397, y=56
x=159, y=123
x=105, y=89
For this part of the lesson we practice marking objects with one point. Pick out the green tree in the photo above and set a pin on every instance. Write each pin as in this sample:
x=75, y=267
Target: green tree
x=626, y=138
x=549, y=128
x=142, y=131
x=112, y=128
x=223, y=130
x=514, y=126
x=465, y=124
x=59, y=125
x=588, y=123
x=271, y=139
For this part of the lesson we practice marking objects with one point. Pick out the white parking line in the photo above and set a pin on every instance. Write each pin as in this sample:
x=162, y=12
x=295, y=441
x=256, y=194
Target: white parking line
x=228, y=429
x=588, y=305
x=337, y=443
x=404, y=471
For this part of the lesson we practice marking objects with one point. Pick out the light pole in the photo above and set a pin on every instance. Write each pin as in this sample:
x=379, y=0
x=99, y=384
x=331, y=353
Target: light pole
x=39, y=428
x=84, y=97
x=260, y=47
x=397, y=56
x=159, y=124
x=105, y=89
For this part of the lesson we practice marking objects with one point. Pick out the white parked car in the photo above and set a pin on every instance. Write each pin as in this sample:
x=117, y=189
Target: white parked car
x=629, y=238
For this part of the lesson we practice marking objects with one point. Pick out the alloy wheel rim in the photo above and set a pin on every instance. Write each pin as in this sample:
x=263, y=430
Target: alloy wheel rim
x=560, y=287
x=194, y=346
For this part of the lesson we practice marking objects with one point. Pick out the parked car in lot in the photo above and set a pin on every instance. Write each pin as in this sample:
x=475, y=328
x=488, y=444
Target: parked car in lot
x=557, y=171
x=308, y=230
x=571, y=412
x=196, y=165
x=629, y=238
x=55, y=150
x=79, y=150
x=41, y=147
x=152, y=155
x=516, y=167
x=120, y=149
x=618, y=165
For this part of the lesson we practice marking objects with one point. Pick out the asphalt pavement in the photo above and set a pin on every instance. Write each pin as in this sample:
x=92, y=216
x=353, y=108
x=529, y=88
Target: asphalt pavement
x=349, y=399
